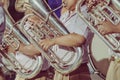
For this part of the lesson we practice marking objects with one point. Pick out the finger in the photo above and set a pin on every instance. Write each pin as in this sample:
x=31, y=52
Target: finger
x=101, y=30
x=42, y=43
x=45, y=47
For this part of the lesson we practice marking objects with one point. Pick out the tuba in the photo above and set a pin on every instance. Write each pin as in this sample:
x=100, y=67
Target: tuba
x=17, y=61
x=116, y=3
x=98, y=13
x=66, y=59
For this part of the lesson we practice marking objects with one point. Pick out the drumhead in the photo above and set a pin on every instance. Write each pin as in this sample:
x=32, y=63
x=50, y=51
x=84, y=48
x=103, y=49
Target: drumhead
x=99, y=56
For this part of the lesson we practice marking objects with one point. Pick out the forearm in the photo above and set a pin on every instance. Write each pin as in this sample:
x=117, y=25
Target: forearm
x=29, y=50
x=69, y=40
x=117, y=29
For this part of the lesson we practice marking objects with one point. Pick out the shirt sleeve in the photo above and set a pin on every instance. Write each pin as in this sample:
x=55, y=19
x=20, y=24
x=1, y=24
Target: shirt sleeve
x=81, y=27
x=80, y=24
x=75, y=24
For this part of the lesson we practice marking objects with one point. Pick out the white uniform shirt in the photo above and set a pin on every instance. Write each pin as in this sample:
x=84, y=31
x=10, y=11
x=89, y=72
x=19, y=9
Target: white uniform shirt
x=75, y=24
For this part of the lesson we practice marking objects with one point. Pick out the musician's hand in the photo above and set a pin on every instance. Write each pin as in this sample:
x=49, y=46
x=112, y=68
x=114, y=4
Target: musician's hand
x=10, y=49
x=47, y=43
x=106, y=28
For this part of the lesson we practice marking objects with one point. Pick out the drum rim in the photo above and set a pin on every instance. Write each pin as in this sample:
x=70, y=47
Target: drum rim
x=92, y=62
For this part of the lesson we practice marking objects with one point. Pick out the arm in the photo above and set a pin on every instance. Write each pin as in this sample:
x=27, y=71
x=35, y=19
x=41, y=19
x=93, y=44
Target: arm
x=117, y=28
x=108, y=28
x=29, y=50
x=69, y=40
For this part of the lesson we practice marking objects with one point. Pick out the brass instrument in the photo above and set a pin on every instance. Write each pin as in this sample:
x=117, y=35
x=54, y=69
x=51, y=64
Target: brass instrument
x=116, y=3
x=48, y=26
x=98, y=13
x=12, y=60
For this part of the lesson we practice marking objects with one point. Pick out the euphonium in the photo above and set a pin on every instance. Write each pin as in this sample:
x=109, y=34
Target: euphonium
x=116, y=3
x=98, y=13
x=48, y=26
x=23, y=65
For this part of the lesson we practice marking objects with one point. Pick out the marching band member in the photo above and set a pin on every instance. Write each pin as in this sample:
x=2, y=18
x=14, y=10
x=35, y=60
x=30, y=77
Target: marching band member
x=114, y=67
x=30, y=50
x=80, y=36
x=2, y=28
x=109, y=28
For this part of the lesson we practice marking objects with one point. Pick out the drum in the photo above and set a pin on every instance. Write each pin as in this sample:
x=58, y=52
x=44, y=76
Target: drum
x=99, y=56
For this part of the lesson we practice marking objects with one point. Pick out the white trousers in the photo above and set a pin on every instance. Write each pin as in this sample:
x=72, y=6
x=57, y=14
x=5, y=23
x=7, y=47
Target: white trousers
x=20, y=78
x=59, y=76
x=113, y=71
